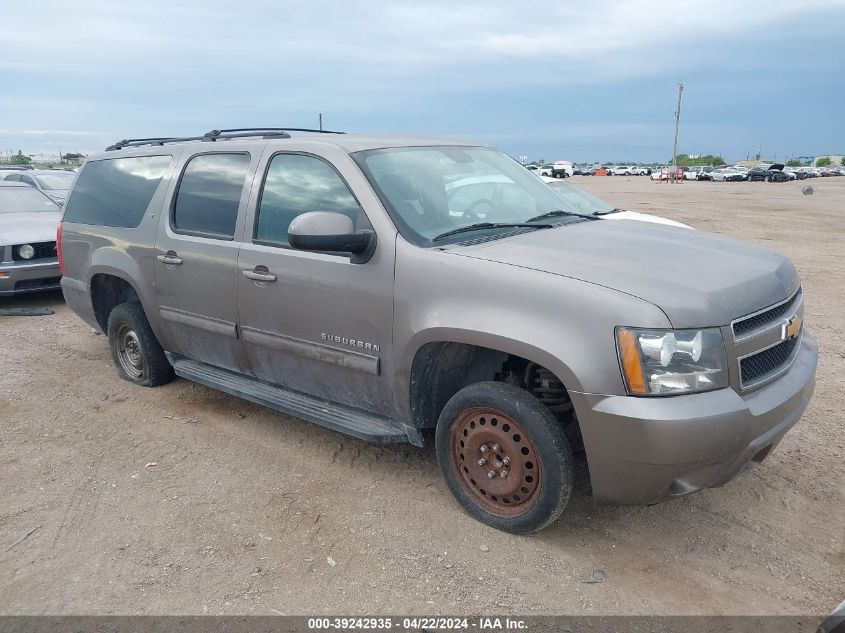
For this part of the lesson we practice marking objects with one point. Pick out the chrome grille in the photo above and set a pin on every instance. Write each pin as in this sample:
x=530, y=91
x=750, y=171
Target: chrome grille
x=759, y=366
x=754, y=322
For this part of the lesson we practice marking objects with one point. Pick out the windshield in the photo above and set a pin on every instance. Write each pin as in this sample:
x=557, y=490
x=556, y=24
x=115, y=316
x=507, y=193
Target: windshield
x=59, y=181
x=24, y=200
x=430, y=191
x=580, y=200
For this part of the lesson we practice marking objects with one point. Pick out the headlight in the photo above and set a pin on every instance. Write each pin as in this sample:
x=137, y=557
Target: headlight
x=667, y=362
x=26, y=251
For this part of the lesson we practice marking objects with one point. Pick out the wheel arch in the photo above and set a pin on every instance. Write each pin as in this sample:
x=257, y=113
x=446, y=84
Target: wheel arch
x=108, y=289
x=442, y=365
x=120, y=274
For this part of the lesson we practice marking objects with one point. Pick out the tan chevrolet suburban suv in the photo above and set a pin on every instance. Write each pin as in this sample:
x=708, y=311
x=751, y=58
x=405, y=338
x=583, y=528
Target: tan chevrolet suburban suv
x=383, y=287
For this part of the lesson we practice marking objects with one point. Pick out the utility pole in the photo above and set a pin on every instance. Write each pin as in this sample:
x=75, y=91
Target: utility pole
x=677, y=125
x=320, y=120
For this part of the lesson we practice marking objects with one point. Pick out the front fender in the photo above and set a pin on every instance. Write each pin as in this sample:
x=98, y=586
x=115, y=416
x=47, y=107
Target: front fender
x=564, y=324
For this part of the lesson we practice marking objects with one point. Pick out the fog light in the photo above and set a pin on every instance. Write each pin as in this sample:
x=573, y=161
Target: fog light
x=26, y=251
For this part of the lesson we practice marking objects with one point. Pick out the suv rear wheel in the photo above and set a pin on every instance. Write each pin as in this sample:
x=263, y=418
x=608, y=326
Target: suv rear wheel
x=135, y=349
x=505, y=457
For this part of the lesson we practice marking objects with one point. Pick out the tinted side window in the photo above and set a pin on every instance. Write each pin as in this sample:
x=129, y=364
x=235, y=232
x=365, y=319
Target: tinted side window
x=115, y=192
x=209, y=194
x=297, y=184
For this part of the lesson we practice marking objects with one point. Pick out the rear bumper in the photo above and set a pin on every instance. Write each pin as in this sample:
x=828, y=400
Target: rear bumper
x=646, y=450
x=78, y=297
x=27, y=276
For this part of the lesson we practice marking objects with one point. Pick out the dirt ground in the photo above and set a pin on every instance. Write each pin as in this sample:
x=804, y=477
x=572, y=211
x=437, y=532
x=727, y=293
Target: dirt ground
x=184, y=500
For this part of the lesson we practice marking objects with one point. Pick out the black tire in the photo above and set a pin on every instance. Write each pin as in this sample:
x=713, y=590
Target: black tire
x=541, y=464
x=134, y=348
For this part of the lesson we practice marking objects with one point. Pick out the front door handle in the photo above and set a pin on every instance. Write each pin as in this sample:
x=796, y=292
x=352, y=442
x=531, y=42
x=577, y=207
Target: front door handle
x=170, y=258
x=259, y=275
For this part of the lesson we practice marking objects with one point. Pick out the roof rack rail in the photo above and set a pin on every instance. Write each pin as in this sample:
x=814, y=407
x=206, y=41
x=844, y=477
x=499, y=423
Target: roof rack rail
x=134, y=142
x=259, y=130
x=215, y=135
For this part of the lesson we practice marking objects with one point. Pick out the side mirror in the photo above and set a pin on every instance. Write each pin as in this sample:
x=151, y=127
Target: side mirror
x=331, y=232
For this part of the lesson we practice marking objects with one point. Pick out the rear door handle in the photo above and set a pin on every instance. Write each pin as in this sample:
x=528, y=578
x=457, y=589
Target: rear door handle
x=170, y=258
x=259, y=275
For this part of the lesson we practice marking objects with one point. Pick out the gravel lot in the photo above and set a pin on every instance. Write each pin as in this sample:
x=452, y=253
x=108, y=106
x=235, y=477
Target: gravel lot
x=184, y=500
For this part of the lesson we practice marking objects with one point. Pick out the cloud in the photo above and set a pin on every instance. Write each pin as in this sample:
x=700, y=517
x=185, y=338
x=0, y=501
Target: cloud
x=173, y=67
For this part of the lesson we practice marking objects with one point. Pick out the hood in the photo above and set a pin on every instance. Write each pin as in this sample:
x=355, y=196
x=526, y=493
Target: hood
x=24, y=228
x=776, y=167
x=697, y=279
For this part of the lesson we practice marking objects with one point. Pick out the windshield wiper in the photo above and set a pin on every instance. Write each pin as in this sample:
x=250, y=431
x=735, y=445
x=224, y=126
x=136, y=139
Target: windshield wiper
x=614, y=210
x=558, y=213
x=479, y=226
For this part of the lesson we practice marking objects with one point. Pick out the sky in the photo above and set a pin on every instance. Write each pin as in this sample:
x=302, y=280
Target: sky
x=585, y=81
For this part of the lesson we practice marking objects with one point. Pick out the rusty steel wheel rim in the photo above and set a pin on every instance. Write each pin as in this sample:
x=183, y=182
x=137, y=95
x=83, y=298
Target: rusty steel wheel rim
x=129, y=352
x=497, y=463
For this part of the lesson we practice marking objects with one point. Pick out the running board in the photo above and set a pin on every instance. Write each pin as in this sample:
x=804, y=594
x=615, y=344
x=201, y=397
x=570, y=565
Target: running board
x=360, y=424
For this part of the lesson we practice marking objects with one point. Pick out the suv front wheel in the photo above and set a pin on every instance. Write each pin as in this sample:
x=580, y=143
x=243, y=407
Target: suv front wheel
x=505, y=457
x=135, y=349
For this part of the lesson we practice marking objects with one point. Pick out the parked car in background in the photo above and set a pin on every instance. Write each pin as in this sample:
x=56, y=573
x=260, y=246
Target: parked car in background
x=53, y=182
x=706, y=173
x=540, y=170
x=701, y=172
x=641, y=171
x=622, y=170
x=28, y=221
x=667, y=173
x=727, y=174
x=772, y=173
x=562, y=169
x=795, y=173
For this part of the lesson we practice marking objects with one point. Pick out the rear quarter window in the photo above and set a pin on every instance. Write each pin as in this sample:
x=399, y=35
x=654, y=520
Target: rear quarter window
x=115, y=191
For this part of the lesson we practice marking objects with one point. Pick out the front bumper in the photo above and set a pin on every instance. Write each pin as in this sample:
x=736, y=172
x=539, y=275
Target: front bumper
x=29, y=276
x=646, y=450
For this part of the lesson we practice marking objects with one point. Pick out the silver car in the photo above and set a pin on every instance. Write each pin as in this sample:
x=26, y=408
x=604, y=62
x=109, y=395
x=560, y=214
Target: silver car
x=28, y=221
x=383, y=287
x=53, y=182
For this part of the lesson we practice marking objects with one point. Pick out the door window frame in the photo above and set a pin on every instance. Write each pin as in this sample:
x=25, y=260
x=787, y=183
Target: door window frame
x=175, y=196
x=257, y=214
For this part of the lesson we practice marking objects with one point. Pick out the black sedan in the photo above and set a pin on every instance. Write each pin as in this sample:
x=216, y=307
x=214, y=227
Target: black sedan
x=772, y=173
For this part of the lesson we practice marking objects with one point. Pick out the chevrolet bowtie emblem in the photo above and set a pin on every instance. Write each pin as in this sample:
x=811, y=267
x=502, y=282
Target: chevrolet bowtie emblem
x=791, y=328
